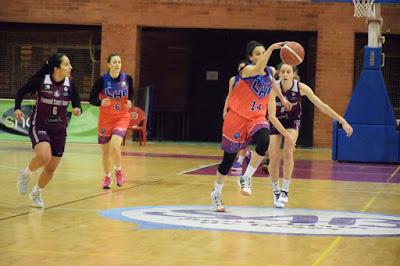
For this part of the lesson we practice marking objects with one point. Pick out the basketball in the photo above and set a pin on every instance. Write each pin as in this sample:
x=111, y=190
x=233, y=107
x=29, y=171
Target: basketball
x=292, y=53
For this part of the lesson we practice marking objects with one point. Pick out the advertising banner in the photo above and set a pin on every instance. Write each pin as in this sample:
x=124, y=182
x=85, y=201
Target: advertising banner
x=80, y=128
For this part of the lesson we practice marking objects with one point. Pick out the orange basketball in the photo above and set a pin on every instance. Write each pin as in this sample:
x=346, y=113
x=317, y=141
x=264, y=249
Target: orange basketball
x=292, y=53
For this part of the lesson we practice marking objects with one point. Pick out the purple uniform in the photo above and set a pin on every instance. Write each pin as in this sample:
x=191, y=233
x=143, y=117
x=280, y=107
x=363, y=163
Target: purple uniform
x=50, y=118
x=292, y=118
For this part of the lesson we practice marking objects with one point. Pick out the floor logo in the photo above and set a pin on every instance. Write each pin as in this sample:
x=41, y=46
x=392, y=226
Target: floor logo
x=260, y=220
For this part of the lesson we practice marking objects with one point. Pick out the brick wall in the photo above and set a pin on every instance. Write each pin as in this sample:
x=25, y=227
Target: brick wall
x=120, y=21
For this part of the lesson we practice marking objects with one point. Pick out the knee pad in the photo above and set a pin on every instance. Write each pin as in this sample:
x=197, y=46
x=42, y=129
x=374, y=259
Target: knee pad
x=226, y=163
x=261, y=138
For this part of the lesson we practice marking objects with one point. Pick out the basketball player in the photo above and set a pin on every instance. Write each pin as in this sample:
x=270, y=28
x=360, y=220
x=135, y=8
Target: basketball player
x=232, y=84
x=246, y=118
x=237, y=166
x=48, y=130
x=113, y=92
x=245, y=153
x=290, y=121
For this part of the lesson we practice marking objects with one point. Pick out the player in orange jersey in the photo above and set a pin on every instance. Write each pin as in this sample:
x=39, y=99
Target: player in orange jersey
x=246, y=118
x=113, y=92
x=237, y=166
x=233, y=81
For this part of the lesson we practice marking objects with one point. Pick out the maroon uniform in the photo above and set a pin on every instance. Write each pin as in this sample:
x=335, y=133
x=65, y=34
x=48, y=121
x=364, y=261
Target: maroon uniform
x=292, y=118
x=49, y=119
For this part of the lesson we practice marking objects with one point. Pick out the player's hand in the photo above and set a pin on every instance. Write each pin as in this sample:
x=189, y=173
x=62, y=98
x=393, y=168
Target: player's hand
x=19, y=115
x=76, y=111
x=347, y=128
x=106, y=102
x=289, y=141
x=277, y=45
x=128, y=104
x=288, y=105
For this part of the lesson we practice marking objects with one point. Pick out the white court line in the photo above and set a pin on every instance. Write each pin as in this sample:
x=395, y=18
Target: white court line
x=393, y=174
x=75, y=209
x=197, y=168
x=58, y=172
x=9, y=167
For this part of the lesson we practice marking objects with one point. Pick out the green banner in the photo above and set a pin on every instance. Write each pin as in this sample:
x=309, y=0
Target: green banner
x=80, y=128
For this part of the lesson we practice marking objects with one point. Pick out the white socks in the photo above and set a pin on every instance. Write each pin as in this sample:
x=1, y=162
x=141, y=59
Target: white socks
x=240, y=159
x=117, y=168
x=285, y=184
x=27, y=171
x=36, y=189
x=249, y=172
x=218, y=187
x=275, y=186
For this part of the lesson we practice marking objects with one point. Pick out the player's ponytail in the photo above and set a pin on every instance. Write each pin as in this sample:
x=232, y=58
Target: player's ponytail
x=48, y=68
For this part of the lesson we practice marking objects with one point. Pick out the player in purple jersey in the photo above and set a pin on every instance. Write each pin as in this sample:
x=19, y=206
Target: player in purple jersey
x=54, y=90
x=289, y=121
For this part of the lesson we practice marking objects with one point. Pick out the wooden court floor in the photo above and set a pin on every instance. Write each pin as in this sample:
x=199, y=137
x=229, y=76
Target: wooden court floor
x=338, y=214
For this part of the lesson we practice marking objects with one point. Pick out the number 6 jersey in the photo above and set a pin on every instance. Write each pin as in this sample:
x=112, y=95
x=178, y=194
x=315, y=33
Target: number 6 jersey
x=51, y=102
x=118, y=90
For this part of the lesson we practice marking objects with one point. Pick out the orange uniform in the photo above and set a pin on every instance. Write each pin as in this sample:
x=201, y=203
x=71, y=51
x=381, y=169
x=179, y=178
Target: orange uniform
x=247, y=110
x=113, y=119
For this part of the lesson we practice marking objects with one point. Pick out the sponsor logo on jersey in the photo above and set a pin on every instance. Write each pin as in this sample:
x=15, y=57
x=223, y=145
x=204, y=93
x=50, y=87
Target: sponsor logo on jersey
x=261, y=88
x=116, y=94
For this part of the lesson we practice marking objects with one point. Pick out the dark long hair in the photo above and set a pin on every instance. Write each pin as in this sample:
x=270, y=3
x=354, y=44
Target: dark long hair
x=48, y=68
x=250, y=47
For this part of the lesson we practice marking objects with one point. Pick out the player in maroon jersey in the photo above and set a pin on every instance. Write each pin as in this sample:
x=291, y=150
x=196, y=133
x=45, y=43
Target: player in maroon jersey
x=54, y=90
x=293, y=90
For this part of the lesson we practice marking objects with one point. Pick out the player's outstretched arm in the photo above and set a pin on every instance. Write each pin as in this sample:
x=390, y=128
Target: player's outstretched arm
x=326, y=109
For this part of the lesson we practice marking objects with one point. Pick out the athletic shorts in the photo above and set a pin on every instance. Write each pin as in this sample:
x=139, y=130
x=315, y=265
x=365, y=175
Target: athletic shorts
x=287, y=123
x=237, y=131
x=55, y=137
x=112, y=125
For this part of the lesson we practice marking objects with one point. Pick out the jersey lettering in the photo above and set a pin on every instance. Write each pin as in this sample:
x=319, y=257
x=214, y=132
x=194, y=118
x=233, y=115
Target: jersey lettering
x=261, y=89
